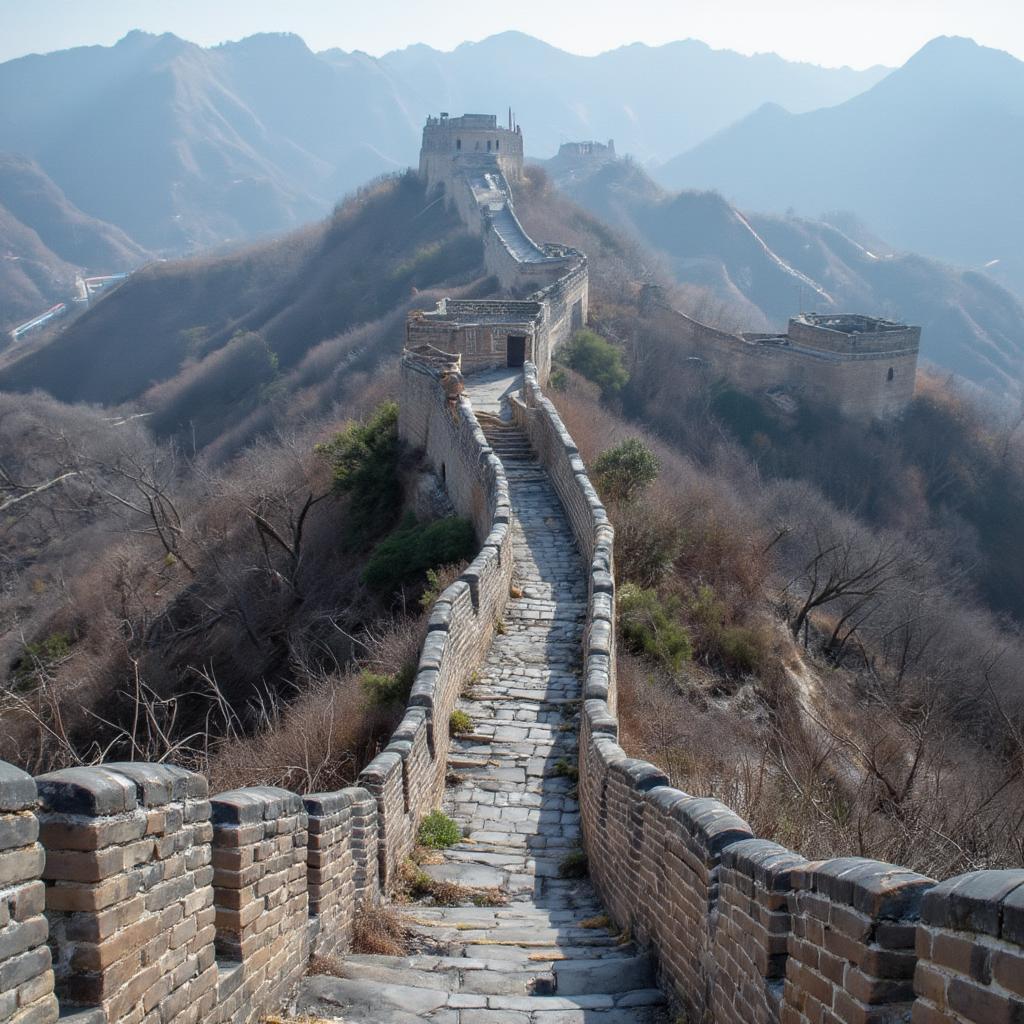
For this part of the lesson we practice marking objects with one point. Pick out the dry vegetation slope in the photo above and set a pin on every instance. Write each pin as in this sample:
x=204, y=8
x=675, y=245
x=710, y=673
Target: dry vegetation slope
x=245, y=621
x=188, y=583
x=819, y=623
x=886, y=722
x=168, y=340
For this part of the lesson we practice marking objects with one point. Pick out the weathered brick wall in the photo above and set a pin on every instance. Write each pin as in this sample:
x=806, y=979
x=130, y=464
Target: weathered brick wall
x=260, y=898
x=566, y=304
x=26, y=975
x=513, y=274
x=857, y=386
x=750, y=943
x=128, y=890
x=163, y=906
x=407, y=778
x=341, y=863
x=851, y=948
x=970, y=948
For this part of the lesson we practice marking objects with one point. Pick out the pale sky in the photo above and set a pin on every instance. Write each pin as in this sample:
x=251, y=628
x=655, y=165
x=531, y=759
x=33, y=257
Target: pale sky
x=830, y=32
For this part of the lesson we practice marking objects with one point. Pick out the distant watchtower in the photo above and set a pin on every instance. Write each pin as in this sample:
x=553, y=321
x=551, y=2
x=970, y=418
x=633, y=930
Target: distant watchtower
x=469, y=140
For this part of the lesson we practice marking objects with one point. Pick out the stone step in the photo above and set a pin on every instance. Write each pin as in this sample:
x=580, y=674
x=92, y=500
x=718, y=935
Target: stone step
x=397, y=1003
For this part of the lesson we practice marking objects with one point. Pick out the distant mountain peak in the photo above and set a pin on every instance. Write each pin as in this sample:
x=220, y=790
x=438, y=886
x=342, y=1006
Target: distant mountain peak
x=270, y=42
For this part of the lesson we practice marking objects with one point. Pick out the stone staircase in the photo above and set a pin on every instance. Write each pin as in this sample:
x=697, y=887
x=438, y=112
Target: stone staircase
x=546, y=954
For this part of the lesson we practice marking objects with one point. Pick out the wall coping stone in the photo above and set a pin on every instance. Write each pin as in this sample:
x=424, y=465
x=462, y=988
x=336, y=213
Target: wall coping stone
x=871, y=886
x=977, y=902
x=769, y=864
x=89, y=791
x=162, y=783
x=17, y=789
x=252, y=805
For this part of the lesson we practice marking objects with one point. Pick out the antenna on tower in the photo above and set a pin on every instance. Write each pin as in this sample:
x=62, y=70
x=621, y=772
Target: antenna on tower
x=510, y=118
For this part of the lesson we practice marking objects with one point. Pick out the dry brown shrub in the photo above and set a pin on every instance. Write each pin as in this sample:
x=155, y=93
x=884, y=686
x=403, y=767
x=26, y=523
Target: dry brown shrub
x=379, y=930
x=319, y=743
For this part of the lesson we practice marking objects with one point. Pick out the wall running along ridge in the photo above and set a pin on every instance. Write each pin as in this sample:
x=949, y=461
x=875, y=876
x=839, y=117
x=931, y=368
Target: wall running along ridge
x=856, y=385
x=550, y=282
x=129, y=895
x=407, y=778
x=744, y=930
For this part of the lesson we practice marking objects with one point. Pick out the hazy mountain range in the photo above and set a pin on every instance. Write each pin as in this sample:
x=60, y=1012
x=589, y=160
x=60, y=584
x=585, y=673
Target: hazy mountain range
x=930, y=157
x=45, y=240
x=156, y=145
x=182, y=146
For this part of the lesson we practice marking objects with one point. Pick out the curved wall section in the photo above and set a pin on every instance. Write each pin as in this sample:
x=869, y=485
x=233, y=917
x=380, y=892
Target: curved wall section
x=407, y=778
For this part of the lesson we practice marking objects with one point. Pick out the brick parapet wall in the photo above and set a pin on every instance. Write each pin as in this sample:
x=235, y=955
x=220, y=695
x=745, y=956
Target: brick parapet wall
x=854, y=384
x=407, y=778
x=970, y=948
x=745, y=931
x=127, y=895
x=26, y=974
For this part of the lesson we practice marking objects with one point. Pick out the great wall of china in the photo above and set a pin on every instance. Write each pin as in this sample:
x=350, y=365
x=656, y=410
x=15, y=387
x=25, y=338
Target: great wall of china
x=129, y=894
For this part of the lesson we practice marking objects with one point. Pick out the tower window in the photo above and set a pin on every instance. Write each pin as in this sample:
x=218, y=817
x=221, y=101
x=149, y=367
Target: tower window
x=497, y=143
x=890, y=374
x=488, y=145
x=458, y=143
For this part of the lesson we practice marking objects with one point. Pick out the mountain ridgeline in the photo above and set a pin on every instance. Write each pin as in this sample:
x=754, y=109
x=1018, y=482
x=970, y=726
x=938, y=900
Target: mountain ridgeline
x=46, y=240
x=930, y=157
x=204, y=343
x=185, y=147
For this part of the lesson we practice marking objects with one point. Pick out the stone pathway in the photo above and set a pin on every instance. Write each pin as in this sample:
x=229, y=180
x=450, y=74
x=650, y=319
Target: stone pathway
x=547, y=956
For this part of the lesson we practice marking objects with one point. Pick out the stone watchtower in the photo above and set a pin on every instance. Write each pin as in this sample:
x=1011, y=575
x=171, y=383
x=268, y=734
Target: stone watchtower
x=468, y=140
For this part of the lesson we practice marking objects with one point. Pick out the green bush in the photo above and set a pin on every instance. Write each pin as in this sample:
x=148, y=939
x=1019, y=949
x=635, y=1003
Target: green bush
x=382, y=690
x=650, y=626
x=624, y=471
x=739, y=648
x=39, y=657
x=459, y=722
x=406, y=554
x=437, y=831
x=559, y=380
x=598, y=360
x=364, y=457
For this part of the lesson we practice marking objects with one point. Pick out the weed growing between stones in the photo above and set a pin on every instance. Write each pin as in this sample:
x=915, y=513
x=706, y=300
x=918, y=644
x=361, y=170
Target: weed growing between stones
x=459, y=723
x=600, y=921
x=573, y=865
x=438, y=831
x=415, y=884
x=378, y=930
x=564, y=770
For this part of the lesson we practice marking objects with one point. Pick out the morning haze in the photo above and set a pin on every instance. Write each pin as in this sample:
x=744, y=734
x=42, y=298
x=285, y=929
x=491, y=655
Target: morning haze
x=520, y=531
